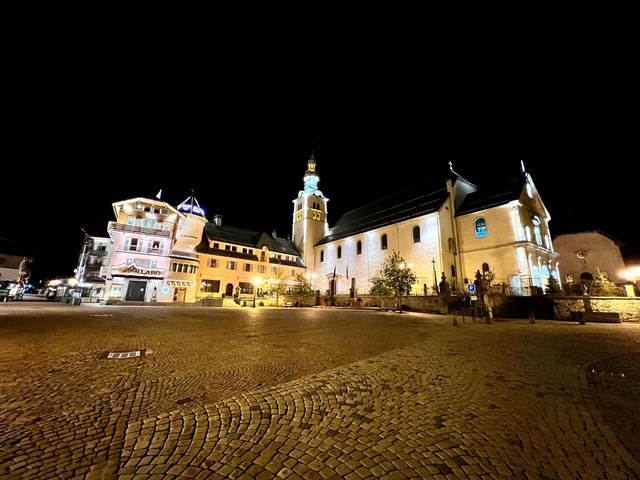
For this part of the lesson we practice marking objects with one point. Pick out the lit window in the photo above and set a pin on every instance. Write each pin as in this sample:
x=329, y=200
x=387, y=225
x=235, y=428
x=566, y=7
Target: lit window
x=480, y=227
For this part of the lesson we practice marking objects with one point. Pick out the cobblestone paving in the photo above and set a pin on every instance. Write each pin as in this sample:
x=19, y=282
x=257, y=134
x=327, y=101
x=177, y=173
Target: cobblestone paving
x=270, y=393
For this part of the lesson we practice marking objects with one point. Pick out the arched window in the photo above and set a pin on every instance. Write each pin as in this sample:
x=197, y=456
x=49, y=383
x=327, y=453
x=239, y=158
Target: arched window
x=480, y=227
x=339, y=252
x=322, y=255
x=485, y=267
x=383, y=242
x=416, y=234
x=359, y=247
x=453, y=271
x=536, y=229
x=452, y=246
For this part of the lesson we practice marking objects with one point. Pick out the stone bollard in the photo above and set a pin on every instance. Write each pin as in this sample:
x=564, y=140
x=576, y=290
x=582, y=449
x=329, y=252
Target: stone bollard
x=532, y=317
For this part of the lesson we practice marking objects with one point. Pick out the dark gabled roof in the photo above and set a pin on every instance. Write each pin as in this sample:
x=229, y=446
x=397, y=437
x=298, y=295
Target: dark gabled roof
x=248, y=238
x=492, y=195
x=420, y=199
x=277, y=244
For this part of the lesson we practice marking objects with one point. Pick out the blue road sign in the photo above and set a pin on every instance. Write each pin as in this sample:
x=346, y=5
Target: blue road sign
x=471, y=288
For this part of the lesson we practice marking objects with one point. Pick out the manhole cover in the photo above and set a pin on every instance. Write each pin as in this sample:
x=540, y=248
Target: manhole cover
x=133, y=354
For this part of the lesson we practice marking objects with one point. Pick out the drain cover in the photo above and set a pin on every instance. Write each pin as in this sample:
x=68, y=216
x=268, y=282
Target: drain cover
x=136, y=353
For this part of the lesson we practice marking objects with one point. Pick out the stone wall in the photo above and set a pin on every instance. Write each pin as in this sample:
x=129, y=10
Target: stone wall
x=627, y=307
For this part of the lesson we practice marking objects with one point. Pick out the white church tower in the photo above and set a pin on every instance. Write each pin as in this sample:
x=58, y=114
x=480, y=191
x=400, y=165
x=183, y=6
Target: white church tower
x=309, y=215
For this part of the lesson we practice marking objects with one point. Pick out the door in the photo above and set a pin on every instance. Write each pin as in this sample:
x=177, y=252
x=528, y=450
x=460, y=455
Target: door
x=135, y=291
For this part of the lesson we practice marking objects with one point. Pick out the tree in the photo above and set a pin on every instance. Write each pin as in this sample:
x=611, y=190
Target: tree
x=605, y=287
x=276, y=284
x=379, y=286
x=484, y=282
x=302, y=286
x=398, y=276
x=553, y=287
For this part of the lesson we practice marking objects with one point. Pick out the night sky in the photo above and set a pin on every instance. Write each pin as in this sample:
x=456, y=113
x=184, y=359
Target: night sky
x=76, y=144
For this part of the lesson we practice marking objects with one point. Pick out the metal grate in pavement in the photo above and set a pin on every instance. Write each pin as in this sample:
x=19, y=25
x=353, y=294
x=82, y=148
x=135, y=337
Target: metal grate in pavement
x=133, y=354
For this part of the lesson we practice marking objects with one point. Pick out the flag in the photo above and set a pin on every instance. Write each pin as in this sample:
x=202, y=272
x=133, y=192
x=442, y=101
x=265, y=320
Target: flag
x=334, y=273
x=159, y=194
x=347, y=273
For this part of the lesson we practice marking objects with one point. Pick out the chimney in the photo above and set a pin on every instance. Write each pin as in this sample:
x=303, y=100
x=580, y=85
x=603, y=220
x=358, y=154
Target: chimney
x=217, y=219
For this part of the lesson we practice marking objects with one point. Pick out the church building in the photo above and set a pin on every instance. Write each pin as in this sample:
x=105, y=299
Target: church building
x=444, y=227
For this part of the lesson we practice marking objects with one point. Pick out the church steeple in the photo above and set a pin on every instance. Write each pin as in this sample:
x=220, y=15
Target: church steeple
x=309, y=214
x=311, y=178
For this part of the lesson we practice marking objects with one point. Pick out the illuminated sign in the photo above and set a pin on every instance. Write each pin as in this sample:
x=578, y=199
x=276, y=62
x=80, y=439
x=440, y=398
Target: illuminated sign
x=133, y=269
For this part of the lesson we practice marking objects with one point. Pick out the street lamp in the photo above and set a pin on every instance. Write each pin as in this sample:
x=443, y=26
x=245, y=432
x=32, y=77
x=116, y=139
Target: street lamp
x=310, y=278
x=256, y=282
x=401, y=266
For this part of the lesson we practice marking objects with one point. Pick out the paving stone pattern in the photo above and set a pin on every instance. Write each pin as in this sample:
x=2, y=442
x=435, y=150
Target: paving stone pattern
x=275, y=393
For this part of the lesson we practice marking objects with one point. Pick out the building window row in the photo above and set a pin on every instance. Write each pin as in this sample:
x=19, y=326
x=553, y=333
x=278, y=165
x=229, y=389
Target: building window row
x=183, y=267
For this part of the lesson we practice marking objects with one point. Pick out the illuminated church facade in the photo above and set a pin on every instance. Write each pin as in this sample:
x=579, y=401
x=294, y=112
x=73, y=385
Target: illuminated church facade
x=444, y=227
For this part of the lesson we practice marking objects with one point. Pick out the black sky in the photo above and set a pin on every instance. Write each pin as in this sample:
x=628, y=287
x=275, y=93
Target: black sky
x=84, y=133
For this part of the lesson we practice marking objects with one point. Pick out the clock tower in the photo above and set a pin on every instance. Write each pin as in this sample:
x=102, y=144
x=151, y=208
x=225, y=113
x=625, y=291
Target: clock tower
x=309, y=216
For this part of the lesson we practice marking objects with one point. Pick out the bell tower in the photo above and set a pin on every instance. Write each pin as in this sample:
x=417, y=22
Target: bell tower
x=309, y=215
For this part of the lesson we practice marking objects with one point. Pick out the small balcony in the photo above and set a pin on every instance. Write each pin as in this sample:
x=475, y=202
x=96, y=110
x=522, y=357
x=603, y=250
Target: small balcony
x=121, y=227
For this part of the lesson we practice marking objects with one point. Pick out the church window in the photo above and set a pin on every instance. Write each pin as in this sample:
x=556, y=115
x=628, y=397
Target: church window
x=481, y=227
x=485, y=268
x=339, y=252
x=359, y=247
x=322, y=255
x=536, y=229
x=383, y=242
x=416, y=234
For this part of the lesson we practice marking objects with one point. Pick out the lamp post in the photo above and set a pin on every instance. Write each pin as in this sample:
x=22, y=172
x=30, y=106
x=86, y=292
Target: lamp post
x=435, y=276
x=570, y=282
x=402, y=266
x=256, y=282
x=310, y=278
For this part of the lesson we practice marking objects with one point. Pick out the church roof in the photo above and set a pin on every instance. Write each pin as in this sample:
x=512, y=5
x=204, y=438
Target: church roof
x=250, y=238
x=421, y=199
x=492, y=195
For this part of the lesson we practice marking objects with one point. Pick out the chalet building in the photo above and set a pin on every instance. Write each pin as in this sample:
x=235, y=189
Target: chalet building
x=142, y=238
x=444, y=227
x=91, y=270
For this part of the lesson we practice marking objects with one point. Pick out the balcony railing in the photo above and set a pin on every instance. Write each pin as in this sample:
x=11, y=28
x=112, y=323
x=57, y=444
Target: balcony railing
x=140, y=249
x=121, y=227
